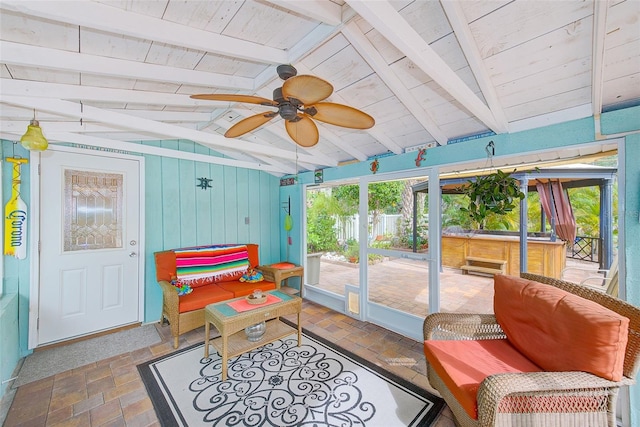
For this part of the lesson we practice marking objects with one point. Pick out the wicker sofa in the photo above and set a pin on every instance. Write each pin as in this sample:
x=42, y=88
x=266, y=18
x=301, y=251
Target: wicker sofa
x=551, y=355
x=185, y=313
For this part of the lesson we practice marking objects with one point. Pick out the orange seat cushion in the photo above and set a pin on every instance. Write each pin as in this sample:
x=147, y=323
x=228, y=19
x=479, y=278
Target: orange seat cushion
x=202, y=296
x=283, y=265
x=464, y=364
x=240, y=289
x=560, y=331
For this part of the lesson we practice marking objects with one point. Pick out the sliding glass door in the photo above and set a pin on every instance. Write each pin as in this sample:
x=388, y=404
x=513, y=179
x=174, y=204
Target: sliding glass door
x=373, y=249
x=401, y=261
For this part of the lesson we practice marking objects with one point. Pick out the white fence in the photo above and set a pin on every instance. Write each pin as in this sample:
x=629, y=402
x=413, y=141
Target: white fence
x=387, y=225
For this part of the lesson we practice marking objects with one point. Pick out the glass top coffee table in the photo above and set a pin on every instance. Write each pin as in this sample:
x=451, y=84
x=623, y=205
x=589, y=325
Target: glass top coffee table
x=233, y=316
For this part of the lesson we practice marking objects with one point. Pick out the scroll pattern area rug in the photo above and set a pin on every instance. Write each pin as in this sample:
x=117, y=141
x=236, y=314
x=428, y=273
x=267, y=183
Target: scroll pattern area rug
x=281, y=384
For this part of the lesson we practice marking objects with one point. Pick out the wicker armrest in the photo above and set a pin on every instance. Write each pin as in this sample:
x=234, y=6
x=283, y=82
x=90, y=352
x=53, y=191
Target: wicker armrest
x=267, y=273
x=496, y=388
x=170, y=298
x=460, y=326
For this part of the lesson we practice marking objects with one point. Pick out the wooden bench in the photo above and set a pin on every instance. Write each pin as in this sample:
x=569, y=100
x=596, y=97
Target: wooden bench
x=484, y=265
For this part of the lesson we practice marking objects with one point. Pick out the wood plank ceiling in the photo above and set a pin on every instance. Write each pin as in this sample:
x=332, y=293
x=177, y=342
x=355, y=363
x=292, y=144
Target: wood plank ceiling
x=115, y=73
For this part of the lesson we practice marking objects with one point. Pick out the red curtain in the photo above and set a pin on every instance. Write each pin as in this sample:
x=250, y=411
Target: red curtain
x=553, y=196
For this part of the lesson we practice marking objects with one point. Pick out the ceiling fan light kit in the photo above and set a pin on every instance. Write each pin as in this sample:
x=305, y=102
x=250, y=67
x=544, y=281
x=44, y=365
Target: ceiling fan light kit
x=298, y=102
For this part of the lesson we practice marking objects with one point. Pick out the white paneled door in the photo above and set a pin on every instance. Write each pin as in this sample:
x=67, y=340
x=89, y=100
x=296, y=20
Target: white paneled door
x=89, y=261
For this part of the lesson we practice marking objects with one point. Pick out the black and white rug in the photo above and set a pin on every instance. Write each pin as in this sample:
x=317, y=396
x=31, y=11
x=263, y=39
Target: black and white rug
x=281, y=384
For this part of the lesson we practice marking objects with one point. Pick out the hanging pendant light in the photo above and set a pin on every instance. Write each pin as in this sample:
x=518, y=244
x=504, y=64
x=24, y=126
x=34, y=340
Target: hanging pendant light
x=33, y=139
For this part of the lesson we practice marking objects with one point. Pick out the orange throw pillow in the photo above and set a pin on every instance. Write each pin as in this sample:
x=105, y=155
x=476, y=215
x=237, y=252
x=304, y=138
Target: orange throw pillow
x=560, y=331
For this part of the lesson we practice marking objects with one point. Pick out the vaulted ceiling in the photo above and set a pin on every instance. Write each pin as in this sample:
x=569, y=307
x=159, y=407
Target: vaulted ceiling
x=115, y=73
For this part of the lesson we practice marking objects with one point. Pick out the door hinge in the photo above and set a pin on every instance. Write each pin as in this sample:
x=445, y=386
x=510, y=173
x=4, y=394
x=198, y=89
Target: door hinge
x=38, y=323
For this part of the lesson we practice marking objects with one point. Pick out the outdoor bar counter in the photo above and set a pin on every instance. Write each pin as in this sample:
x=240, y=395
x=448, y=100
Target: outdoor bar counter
x=543, y=256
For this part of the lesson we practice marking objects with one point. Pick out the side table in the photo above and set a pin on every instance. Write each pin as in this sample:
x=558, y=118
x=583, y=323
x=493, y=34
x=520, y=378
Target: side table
x=283, y=271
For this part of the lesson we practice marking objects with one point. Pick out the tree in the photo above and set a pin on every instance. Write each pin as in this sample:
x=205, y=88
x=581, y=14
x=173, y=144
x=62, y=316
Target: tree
x=384, y=197
x=321, y=235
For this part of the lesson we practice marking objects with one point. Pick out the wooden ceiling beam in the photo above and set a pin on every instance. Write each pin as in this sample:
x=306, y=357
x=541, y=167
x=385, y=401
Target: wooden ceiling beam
x=600, y=9
x=385, y=19
x=458, y=21
x=157, y=151
x=55, y=59
x=369, y=53
x=163, y=130
x=98, y=94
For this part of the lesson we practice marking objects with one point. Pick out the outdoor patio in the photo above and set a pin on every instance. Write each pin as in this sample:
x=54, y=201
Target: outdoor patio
x=402, y=284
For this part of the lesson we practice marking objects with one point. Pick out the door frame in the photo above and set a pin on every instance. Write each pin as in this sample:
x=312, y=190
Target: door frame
x=404, y=323
x=35, y=225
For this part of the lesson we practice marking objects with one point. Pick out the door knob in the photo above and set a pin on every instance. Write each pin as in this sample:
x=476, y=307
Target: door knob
x=132, y=254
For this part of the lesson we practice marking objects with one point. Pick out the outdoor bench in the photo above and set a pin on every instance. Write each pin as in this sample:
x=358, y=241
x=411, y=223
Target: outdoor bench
x=484, y=265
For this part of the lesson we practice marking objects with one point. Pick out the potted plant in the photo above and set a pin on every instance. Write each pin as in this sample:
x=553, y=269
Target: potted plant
x=496, y=193
x=353, y=252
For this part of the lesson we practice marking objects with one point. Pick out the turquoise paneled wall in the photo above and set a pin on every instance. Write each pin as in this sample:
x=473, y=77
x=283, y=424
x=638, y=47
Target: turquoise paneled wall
x=241, y=207
x=14, y=305
x=177, y=213
x=9, y=338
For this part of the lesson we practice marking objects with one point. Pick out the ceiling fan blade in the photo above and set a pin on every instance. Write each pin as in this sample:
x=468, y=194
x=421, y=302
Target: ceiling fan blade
x=235, y=98
x=304, y=132
x=307, y=89
x=342, y=115
x=248, y=124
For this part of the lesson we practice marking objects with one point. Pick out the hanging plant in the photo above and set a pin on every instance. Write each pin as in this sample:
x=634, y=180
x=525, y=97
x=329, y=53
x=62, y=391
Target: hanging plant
x=497, y=193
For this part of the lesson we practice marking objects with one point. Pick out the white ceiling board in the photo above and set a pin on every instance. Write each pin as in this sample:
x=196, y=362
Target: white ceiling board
x=620, y=90
x=331, y=47
x=23, y=73
x=621, y=59
x=139, y=61
x=427, y=19
x=155, y=8
x=92, y=93
x=477, y=9
x=255, y=20
x=557, y=102
x=530, y=88
x=110, y=19
x=550, y=50
x=323, y=11
x=211, y=16
x=521, y=21
x=37, y=31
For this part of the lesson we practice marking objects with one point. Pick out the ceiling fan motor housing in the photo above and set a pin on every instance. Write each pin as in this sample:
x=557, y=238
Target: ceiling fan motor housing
x=285, y=71
x=288, y=111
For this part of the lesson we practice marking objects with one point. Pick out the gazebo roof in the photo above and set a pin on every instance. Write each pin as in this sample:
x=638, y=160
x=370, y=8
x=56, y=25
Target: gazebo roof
x=571, y=176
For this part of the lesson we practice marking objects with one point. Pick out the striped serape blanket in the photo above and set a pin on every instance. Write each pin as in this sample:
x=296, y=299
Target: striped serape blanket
x=207, y=263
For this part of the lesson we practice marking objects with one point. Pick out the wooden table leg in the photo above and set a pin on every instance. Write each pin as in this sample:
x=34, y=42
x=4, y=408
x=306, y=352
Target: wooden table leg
x=224, y=357
x=206, y=338
x=299, y=331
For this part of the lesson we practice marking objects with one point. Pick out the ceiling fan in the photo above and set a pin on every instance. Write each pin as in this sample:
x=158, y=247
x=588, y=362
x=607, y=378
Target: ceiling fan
x=298, y=102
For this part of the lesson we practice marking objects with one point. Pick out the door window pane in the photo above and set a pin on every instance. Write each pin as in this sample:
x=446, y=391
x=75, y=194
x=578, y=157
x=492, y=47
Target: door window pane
x=92, y=210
